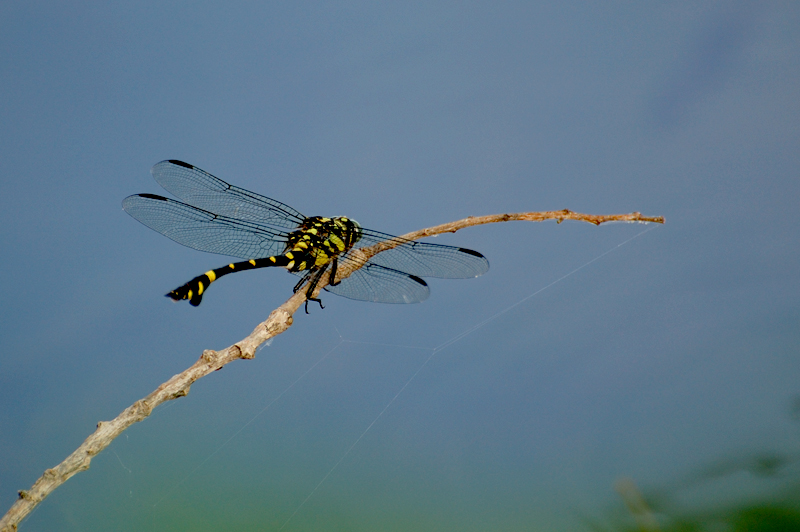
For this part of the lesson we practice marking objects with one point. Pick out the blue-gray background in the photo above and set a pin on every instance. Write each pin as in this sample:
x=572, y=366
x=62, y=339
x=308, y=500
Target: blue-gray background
x=672, y=360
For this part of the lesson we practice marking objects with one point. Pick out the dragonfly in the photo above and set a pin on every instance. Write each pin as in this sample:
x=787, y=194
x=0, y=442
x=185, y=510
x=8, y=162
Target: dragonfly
x=217, y=217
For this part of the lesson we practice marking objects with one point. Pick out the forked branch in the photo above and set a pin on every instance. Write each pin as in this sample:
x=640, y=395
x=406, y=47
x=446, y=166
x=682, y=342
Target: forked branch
x=278, y=321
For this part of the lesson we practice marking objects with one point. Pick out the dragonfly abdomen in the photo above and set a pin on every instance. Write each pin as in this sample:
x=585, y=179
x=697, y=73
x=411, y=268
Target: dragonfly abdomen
x=194, y=289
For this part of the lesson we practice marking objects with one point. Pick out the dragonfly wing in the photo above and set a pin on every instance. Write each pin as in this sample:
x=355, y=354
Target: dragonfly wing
x=381, y=285
x=201, y=189
x=203, y=230
x=426, y=260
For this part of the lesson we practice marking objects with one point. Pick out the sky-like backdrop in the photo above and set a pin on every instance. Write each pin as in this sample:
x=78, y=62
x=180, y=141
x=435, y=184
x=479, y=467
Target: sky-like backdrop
x=668, y=355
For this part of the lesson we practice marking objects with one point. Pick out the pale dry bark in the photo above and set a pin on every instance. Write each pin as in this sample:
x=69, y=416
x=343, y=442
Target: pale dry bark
x=278, y=321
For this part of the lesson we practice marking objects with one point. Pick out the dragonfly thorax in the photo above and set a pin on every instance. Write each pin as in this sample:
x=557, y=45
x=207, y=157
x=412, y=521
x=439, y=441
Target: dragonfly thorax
x=321, y=240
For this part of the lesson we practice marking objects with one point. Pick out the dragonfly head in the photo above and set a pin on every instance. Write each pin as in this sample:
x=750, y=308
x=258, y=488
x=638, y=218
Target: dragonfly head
x=350, y=231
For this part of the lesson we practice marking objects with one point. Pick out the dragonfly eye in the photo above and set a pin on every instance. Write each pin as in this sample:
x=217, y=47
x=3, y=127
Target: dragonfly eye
x=357, y=231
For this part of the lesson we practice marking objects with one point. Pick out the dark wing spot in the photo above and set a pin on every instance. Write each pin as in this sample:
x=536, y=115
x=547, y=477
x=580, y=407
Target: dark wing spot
x=471, y=252
x=181, y=163
x=418, y=279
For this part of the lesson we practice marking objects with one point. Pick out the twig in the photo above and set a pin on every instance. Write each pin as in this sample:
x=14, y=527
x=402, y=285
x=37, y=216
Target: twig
x=278, y=321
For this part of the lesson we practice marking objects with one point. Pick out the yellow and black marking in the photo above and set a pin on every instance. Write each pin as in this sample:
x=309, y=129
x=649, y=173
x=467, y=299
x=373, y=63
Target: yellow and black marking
x=313, y=247
x=217, y=217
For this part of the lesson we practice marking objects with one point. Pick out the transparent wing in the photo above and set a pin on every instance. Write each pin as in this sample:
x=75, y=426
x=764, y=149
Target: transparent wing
x=203, y=230
x=426, y=260
x=394, y=276
x=381, y=285
x=201, y=189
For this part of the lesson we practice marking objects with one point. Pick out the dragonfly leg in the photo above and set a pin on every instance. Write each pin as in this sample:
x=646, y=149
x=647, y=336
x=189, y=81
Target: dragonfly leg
x=332, y=277
x=299, y=284
x=312, y=285
x=313, y=299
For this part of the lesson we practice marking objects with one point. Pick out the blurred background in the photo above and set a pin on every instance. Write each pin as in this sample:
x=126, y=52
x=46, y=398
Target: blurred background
x=670, y=361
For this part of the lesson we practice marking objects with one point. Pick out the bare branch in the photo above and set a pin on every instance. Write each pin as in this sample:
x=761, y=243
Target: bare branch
x=452, y=227
x=278, y=321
